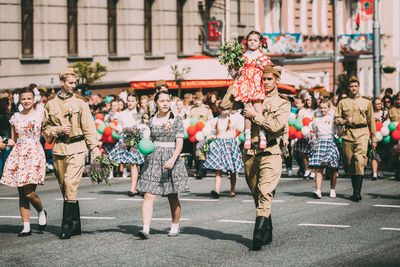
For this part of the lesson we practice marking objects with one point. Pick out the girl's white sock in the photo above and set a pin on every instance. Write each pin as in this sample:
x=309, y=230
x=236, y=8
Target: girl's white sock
x=146, y=228
x=262, y=135
x=247, y=134
x=174, y=228
x=27, y=227
x=42, y=218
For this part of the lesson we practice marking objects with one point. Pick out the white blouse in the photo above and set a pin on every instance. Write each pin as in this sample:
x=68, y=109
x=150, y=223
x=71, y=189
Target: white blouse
x=236, y=123
x=324, y=126
x=306, y=112
x=128, y=118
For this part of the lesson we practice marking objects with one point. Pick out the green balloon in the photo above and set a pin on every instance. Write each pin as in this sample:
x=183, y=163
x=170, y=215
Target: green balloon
x=242, y=136
x=386, y=139
x=211, y=140
x=292, y=121
x=340, y=140
x=146, y=146
x=100, y=128
x=298, y=124
x=392, y=126
x=115, y=135
x=185, y=134
x=193, y=120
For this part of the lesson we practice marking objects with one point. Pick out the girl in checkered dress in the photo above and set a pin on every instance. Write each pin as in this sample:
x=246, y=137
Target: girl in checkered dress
x=325, y=152
x=224, y=153
x=130, y=117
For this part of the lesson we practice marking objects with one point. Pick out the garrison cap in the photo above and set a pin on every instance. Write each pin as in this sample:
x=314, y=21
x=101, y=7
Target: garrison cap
x=353, y=79
x=198, y=95
x=160, y=83
x=270, y=69
x=66, y=71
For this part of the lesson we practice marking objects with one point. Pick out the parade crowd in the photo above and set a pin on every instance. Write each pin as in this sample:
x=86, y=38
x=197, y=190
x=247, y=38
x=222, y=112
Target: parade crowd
x=251, y=129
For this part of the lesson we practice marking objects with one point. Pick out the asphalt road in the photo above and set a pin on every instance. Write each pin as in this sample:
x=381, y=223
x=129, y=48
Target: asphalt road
x=307, y=232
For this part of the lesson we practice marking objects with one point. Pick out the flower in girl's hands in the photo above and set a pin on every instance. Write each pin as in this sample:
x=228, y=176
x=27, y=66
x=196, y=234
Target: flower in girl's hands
x=132, y=137
x=99, y=170
x=232, y=54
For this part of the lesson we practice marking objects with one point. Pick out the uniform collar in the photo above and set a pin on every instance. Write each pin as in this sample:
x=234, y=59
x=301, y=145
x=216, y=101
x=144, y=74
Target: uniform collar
x=65, y=96
x=356, y=96
x=273, y=93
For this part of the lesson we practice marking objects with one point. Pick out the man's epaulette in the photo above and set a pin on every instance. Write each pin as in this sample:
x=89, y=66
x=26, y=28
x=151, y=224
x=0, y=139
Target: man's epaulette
x=80, y=97
x=366, y=97
x=284, y=97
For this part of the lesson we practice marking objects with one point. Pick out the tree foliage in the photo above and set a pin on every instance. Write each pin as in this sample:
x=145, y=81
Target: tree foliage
x=89, y=73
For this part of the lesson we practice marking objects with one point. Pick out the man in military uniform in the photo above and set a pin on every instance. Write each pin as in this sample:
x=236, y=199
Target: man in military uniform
x=204, y=113
x=356, y=115
x=160, y=85
x=68, y=120
x=263, y=167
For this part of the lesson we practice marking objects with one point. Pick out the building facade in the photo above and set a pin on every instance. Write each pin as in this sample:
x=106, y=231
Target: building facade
x=39, y=38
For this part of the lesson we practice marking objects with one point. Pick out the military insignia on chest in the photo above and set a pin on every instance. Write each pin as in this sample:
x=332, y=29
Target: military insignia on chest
x=68, y=113
x=267, y=109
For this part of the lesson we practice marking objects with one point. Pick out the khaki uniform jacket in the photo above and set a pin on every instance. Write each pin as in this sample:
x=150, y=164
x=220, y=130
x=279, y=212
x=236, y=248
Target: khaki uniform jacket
x=80, y=121
x=360, y=109
x=394, y=114
x=276, y=111
x=203, y=112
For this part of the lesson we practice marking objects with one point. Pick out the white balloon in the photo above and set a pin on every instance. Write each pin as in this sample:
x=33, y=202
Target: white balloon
x=98, y=121
x=306, y=130
x=186, y=123
x=385, y=131
x=379, y=136
x=292, y=115
x=199, y=136
x=386, y=123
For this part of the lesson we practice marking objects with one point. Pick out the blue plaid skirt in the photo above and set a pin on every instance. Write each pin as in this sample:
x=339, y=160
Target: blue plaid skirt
x=224, y=155
x=303, y=145
x=324, y=151
x=120, y=155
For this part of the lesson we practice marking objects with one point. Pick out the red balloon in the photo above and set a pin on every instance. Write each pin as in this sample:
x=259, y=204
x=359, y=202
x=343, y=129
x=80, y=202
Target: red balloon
x=191, y=130
x=299, y=135
x=396, y=134
x=292, y=136
x=104, y=139
x=192, y=138
x=108, y=131
x=379, y=126
x=97, y=125
x=199, y=126
x=110, y=139
x=237, y=132
x=99, y=116
x=292, y=130
x=398, y=126
x=115, y=122
x=306, y=121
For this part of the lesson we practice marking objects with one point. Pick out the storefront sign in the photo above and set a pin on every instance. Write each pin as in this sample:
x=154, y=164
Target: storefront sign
x=284, y=43
x=212, y=37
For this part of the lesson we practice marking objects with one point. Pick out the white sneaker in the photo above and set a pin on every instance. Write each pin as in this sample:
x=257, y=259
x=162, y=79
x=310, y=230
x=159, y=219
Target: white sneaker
x=307, y=173
x=125, y=173
x=312, y=175
x=290, y=173
x=332, y=194
x=174, y=233
x=317, y=194
x=111, y=175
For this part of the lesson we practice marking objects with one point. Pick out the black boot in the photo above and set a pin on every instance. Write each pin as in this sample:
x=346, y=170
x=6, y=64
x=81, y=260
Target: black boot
x=76, y=222
x=268, y=231
x=197, y=166
x=356, y=180
x=259, y=232
x=68, y=216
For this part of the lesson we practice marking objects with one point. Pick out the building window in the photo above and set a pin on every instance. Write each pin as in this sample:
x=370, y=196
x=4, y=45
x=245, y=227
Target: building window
x=27, y=27
x=72, y=27
x=238, y=11
x=179, y=24
x=112, y=27
x=147, y=26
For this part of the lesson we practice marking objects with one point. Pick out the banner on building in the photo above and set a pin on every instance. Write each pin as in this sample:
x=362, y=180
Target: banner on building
x=367, y=10
x=212, y=37
x=356, y=42
x=284, y=43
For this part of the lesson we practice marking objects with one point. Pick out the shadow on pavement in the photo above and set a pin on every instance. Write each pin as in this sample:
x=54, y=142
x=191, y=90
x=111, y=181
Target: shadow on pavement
x=222, y=194
x=383, y=196
x=217, y=235
x=129, y=230
x=55, y=230
x=309, y=195
x=112, y=192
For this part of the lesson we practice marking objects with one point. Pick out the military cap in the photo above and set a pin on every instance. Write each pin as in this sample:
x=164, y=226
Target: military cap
x=270, y=69
x=66, y=71
x=324, y=93
x=198, y=95
x=160, y=83
x=353, y=79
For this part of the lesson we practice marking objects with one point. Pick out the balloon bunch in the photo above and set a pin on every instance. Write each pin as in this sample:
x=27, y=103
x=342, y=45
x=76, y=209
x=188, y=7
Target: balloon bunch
x=299, y=128
x=109, y=135
x=194, y=128
x=387, y=131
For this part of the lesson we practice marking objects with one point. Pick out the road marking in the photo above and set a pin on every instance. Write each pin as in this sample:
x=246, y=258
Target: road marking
x=327, y=203
x=15, y=217
x=275, y=200
x=387, y=206
x=82, y=198
x=8, y=198
x=391, y=229
x=130, y=199
x=235, y=221
x=199, y=199
x=169, y=219
x=324, y=225
x=97, y=218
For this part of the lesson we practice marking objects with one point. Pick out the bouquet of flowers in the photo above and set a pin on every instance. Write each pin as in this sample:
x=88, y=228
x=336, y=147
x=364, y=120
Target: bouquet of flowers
x=232, y=54
x=99, y=170
x=374, y=155
x=132, y=136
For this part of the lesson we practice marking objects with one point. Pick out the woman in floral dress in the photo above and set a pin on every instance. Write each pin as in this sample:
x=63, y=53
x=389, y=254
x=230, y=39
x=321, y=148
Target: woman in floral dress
x=164, y=171
x=25, y=168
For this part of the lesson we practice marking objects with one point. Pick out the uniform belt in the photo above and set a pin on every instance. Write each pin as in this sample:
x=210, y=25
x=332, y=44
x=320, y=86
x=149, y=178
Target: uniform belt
x=270, y=143
x=71, y=140
x=359, y=126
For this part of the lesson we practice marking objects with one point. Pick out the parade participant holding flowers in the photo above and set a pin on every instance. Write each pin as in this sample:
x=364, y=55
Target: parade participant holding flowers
x=25, y=167
x=380, y=116
x=357, y=115
x=224, y=154
x=248, y=80
x=128, y=121
x=69, y=121
x=164, y=171
x=325, y=152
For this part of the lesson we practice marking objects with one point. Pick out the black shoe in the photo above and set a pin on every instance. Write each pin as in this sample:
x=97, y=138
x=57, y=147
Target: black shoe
x=68, y=216
x=300, y=173
x=22, y=234
x=131, y=194
x=76, y=221
x=42, y=227
x=374, y=178
x=143, y=235
x=268, y=231
x=214, y=194
x=259, y=237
